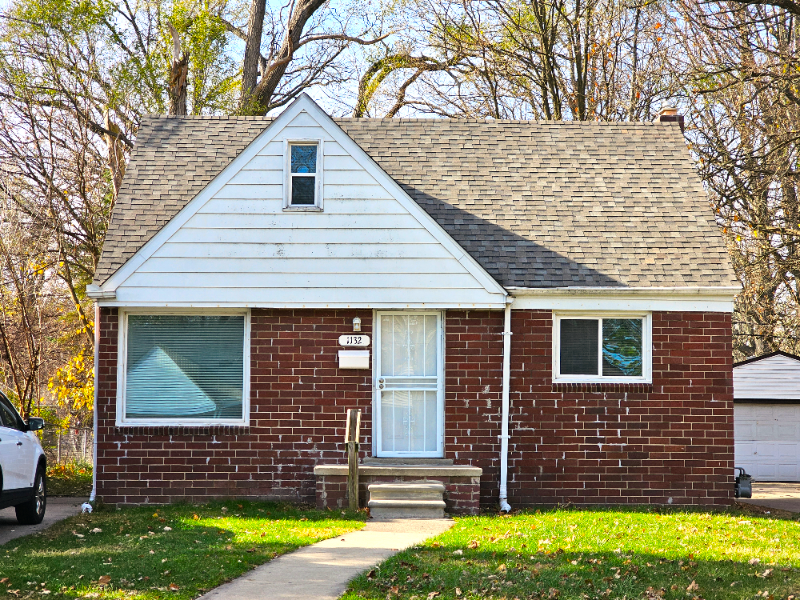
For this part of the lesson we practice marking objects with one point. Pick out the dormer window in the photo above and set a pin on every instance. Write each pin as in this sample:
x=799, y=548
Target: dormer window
x=304, y=189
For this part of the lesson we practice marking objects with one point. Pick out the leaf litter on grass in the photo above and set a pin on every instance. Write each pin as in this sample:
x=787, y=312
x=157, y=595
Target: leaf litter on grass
x=598, y=554
x=139, y=554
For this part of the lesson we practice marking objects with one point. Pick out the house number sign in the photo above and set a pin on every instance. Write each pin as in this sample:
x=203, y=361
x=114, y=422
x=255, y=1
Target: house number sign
x=354, y=340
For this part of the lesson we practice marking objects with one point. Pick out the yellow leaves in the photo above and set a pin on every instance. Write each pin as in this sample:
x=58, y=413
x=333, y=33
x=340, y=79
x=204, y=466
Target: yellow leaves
x=73, y=384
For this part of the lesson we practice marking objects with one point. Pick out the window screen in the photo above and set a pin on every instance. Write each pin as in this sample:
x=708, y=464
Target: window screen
x=579, y=346
x=618, y=353
x=184, y=366
x=303, y=174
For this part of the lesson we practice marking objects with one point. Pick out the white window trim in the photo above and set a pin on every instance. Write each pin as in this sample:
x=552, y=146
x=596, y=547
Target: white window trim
x=647, y=347
x=376, y=396
x=122, y=363
x=287, y=179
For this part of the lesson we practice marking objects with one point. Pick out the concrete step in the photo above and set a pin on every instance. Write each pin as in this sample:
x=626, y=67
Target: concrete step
x=408, y=500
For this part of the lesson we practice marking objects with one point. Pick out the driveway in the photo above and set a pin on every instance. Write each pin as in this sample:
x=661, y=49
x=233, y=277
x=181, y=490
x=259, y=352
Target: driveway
x=780, y=496
x=58, y=509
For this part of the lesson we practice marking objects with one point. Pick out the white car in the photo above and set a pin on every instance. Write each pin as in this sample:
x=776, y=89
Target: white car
x=23, y=468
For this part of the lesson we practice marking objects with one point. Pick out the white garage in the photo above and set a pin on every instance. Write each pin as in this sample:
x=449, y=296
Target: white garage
x=766, y=393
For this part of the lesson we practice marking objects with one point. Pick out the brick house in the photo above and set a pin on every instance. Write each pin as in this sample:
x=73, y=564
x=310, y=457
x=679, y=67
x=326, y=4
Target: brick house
x=530, y=312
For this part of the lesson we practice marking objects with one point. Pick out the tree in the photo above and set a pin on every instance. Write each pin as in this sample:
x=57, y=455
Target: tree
x=543, y=59
x=743, y=74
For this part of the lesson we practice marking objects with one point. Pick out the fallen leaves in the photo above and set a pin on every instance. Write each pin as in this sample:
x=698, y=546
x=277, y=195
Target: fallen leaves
x=473, y=544
x=693, y=587
x=103, y=580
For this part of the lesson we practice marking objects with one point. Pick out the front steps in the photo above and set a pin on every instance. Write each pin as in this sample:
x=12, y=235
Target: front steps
x=411, y=500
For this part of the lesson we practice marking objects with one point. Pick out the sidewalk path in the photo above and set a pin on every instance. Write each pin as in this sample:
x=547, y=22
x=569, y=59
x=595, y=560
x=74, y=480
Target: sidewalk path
x=322, y=571
x=57, y=510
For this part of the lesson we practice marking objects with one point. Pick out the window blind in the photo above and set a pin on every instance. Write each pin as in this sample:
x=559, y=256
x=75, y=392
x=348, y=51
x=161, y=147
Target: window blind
x=184, y=366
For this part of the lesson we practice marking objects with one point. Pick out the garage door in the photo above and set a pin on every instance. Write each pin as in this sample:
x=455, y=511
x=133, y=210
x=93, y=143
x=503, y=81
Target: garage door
x=768, y=440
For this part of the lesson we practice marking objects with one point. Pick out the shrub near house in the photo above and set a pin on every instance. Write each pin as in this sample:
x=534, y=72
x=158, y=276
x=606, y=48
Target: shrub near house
x=241, y=250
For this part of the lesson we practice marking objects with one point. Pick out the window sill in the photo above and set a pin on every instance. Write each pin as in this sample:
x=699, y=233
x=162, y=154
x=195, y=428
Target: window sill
x=216, y=429
x=302, y=209
x=641, y=387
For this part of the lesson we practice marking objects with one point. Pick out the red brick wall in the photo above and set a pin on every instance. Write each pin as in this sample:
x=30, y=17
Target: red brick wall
x=298, y=403
x=669, y=442
x=569, y=443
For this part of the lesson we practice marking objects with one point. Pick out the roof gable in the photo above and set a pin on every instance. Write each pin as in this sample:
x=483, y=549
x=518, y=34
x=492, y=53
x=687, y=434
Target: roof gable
x=537, y=205
x=234, y=243
x=774, y=376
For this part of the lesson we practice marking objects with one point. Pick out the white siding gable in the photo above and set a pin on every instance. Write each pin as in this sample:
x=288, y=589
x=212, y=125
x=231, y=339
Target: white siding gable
x=773, y=378
x=235, y=245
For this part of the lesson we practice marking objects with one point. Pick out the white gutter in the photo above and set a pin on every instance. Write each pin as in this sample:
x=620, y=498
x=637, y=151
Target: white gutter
x=96, y=370
x=504, y=505
x=632, y=292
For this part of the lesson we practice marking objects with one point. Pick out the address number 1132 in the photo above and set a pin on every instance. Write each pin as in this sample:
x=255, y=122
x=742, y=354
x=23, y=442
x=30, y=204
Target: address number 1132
x=361, y=341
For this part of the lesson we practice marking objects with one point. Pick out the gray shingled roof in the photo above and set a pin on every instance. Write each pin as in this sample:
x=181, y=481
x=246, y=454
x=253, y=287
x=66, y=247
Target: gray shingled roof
x=537, y=204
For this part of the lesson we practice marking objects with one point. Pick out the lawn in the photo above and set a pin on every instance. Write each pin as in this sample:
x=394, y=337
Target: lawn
x=176, y=551
x=597, y=554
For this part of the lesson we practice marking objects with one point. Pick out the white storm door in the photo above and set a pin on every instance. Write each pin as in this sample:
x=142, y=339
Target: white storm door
x=409, y=384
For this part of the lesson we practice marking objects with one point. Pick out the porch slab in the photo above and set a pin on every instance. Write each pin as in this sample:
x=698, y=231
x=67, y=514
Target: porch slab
x=461, y=483
x=420, y=471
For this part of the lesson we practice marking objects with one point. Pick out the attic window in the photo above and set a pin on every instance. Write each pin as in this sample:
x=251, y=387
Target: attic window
x=304, y=189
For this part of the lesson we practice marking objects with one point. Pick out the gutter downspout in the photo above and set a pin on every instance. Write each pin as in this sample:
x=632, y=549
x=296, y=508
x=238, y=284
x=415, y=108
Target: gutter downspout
x=96, y=370
x=504, y=505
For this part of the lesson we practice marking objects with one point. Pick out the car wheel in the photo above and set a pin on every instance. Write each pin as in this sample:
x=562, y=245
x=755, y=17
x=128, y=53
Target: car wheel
x=32, y=511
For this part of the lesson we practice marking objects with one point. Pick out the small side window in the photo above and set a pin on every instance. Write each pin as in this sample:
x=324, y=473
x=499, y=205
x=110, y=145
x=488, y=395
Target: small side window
x=303, y=184
x=603, y=348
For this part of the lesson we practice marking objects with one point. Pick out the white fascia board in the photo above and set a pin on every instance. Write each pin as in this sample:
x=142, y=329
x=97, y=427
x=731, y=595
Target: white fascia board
x=424, y=219
x=702, y=299
x=303, y=104
x=297, y=305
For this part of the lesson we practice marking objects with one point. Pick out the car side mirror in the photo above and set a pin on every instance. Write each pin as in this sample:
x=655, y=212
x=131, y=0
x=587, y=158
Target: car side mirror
x=35, y=424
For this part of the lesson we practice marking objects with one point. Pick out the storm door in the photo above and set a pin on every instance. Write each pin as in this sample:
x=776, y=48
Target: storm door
x=409, y=384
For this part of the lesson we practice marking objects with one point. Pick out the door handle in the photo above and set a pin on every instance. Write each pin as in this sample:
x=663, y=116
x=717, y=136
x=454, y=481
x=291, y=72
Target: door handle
x=19, y=443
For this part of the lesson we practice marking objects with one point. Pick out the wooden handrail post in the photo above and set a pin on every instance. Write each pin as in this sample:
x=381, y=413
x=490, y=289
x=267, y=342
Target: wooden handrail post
x=351, y=437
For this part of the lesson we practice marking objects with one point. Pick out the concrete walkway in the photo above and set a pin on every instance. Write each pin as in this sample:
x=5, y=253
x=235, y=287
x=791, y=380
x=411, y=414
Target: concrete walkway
x=322, y=571
x=779, y=496
x=58, y=509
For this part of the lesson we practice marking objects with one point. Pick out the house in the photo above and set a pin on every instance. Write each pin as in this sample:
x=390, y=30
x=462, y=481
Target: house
x=531, y=313
x=766, y=396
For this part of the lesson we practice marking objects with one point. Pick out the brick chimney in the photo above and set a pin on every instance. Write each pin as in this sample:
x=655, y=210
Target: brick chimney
x=669, y=114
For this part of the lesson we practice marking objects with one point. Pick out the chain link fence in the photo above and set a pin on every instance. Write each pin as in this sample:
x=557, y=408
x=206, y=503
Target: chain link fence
x=68, y=445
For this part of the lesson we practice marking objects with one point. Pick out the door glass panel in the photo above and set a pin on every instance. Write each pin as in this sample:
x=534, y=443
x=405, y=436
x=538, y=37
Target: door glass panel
x=409, y=377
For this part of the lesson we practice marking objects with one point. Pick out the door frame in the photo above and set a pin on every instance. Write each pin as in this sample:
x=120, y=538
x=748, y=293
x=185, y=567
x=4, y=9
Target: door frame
x=376, y=392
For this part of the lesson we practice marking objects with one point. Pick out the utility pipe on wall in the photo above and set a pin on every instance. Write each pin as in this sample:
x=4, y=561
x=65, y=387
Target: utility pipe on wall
x=504, y=505
x=96, y=370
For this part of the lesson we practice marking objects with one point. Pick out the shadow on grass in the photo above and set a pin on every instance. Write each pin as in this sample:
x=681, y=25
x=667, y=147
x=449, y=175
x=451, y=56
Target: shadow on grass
x=175, y=551
x=656, y=553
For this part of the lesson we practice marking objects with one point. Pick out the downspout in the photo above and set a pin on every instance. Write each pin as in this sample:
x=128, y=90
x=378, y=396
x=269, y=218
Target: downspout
x=96, y=371
x=504, y=505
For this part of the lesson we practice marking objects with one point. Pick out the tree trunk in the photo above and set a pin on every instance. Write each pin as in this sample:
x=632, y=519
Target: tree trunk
x=252, y=49
x=258, y=102
x=179, y=74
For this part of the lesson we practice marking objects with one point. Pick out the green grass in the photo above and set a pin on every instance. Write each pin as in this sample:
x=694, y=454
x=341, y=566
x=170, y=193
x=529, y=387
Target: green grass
x=175, y=551
x=69, y=479
x=597, y=554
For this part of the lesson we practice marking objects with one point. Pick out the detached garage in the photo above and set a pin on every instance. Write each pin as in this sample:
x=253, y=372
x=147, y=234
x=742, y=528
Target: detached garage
x=766, y=393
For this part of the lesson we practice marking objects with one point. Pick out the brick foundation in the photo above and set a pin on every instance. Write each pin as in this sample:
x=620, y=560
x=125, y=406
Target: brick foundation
x=671, y=441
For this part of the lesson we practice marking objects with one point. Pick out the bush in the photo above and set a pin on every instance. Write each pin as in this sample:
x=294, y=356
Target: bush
x=69, y=479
